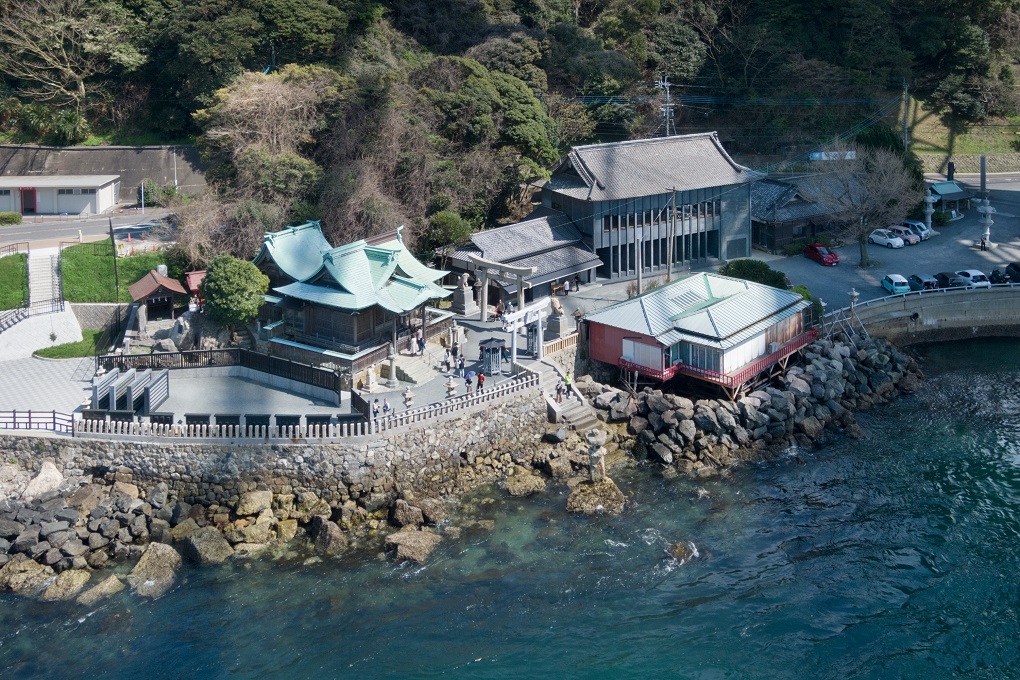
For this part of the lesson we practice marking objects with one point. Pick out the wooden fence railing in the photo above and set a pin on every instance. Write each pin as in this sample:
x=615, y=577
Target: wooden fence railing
x=560, y=344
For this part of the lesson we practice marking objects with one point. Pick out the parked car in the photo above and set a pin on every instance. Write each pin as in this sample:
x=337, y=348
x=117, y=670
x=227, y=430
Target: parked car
x=821, y=254
x=895, y=284
x=918, y=228
x=999, y=276
x=950, y=280
x=922, y=282
x=1013, y=271
x=884, y=237
x=975, y=278
x=909, y=237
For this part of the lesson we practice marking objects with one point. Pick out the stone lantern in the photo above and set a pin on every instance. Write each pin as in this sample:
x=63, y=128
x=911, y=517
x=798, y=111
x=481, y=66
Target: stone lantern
x=986, y=211
x=929, y=207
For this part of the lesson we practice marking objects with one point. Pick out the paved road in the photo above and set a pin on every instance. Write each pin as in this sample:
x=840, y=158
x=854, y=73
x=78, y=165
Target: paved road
x=47, y=230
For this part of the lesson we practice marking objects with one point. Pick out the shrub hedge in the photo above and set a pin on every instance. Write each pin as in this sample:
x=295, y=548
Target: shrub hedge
x=10, y=218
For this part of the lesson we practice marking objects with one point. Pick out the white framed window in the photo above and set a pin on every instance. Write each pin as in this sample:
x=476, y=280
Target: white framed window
x=5, y=192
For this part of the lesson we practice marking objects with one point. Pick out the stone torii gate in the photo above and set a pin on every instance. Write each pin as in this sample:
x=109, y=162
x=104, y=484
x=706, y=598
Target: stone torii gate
x=503, y=271
x=534, y=313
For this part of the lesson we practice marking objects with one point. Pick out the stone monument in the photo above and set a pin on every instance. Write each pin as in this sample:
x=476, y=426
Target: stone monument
x=464, y=298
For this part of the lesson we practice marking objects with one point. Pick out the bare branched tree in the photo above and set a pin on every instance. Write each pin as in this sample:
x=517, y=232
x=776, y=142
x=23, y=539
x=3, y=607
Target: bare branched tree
x=867, y=189
x=57, y=46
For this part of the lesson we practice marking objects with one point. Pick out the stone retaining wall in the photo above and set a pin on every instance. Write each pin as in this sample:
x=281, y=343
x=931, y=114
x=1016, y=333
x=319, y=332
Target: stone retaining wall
x=970, y=163
x=441, y=460
x=97, y=315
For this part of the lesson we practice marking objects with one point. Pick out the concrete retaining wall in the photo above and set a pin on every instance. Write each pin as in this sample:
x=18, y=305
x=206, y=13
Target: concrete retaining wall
x=274, y=381
x=936, y=316
x=970, y=163
x=453, y=455
x=98, y=315
x=132, y=163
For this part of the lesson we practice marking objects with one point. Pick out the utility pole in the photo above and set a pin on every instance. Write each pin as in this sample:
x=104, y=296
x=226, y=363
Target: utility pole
x=906, y=121
x=672, y=237
x=667, y=110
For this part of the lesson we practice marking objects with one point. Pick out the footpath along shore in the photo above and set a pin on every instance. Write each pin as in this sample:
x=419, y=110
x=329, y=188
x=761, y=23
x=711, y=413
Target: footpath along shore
x=71, y=508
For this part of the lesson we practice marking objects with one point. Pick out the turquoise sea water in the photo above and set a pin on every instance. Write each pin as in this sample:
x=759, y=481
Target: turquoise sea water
x=892, y=557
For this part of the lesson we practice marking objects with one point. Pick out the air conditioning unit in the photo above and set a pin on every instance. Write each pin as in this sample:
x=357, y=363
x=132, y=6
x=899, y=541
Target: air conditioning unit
x=773, y=347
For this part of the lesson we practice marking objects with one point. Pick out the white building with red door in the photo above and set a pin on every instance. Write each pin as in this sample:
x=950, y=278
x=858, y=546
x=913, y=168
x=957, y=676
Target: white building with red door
x=59, y=194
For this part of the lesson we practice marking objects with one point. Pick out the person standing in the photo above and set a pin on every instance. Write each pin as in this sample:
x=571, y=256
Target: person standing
x=577, y=282
x=568, y=380
x=559, y=391
x=468, y=386
x=460, y=366
x=481, y=382
x=446, y=360
x=375, y=408
x=386, y=408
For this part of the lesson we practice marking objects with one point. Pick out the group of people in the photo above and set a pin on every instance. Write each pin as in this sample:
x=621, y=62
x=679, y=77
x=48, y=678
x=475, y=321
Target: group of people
x=384, y=409
x=453, y=360
x=469, y=387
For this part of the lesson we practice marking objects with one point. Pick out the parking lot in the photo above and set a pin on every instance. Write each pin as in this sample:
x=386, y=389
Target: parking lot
x=953, y=249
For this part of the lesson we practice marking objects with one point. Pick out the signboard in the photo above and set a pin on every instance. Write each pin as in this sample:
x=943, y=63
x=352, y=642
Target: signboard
x=832, y=155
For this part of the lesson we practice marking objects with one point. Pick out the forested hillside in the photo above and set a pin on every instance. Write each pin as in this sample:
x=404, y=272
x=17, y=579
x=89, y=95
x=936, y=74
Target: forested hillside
x=434, y=113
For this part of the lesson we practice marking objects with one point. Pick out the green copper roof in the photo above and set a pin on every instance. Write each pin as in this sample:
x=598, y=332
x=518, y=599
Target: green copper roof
x=358, y=275
x=297, y=251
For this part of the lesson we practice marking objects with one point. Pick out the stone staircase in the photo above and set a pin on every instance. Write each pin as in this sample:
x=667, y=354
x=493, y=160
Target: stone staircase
x=573, y=411
x=415, y=369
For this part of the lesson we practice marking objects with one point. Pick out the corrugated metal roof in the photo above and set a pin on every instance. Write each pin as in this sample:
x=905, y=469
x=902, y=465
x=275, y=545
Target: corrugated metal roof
x=297, y=251
x=646, y=167
x=706, y=308
x=56, y=181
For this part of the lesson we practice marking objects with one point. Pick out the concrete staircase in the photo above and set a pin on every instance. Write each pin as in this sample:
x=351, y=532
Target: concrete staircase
x=44, y=283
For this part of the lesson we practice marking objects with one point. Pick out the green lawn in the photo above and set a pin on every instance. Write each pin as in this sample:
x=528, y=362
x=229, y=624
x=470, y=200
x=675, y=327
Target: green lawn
x=85, y=348
x=13, y=280
x=87, y=272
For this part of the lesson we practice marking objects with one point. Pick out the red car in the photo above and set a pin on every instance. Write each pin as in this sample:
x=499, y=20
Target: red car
x=821, y=254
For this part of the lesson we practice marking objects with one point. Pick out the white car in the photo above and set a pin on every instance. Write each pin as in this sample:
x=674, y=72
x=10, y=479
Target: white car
x=884, y=237
x=975, y=278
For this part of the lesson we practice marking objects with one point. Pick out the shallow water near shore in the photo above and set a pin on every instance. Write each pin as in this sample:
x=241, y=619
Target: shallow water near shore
x=895, y=556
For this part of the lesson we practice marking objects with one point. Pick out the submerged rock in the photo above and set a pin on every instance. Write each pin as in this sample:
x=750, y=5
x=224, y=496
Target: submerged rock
x=110, y=586
x=412, y=544
x=595, y=498
x=329, y=537
x=66, y=586
x=524, y=484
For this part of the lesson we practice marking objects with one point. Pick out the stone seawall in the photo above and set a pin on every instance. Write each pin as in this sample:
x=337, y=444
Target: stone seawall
x=940, y=316
x=435, y=461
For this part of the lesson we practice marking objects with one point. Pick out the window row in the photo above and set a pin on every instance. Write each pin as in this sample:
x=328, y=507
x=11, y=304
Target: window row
x=701, y=210
x=75, y=192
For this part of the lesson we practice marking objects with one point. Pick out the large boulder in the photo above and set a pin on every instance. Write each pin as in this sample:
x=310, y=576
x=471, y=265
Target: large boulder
x=10, y=529
x=309, y=505
x=184, y=529
x=66, y=586
x=811, y=426
x=412, y=544
x=329, y=537
x=286, y=530
x=254, y=502
x=434, y=510
x=524, y=484
x=156, y=572
x=111, y=586
x=24, y=576
x=46, y=481
x=405, y=514
x=592, y=498
x=206, y=546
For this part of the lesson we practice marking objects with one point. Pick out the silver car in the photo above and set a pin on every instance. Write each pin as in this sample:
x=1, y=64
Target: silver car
x=974, y=278
x=919, y=228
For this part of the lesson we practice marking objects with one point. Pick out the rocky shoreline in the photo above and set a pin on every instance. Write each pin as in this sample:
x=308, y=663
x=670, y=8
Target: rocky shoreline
x=56, y=531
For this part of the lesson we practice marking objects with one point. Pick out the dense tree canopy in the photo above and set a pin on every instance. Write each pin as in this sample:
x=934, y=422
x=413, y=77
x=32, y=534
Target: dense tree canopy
x=233, y=290
x=438, y=113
